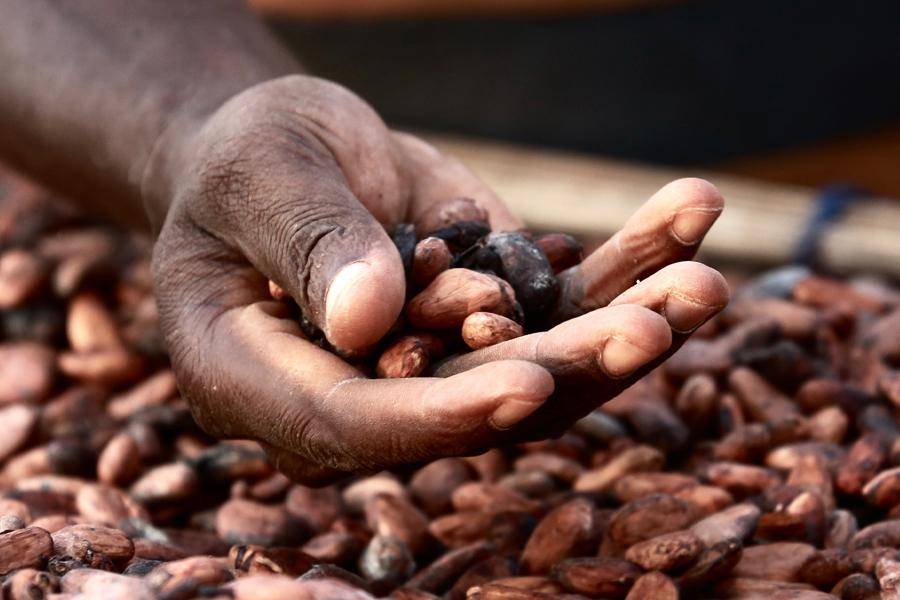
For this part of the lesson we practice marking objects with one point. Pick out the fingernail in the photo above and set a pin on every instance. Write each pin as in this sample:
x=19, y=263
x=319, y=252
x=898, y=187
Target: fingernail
x=621, y=358
x=511, y=412
x=691, y=224
x=685, y=316
x=340, y=293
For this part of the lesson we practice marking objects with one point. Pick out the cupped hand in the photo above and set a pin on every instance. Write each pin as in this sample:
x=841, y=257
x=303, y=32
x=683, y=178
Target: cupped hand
x=296, y=181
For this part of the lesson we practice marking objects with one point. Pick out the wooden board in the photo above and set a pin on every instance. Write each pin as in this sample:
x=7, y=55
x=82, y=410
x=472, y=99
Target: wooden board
x=592, y=197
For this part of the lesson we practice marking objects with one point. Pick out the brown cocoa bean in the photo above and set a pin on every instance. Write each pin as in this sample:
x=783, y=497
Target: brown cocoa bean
x=454, y=295
x=358, y=493
x=431, y=257
x=94, y=545
x=24, y=548
x=18, y=422
x=715, y=563
x=780, y=561
x=246, y=522
x=667, y=552
x=28, y=370
x=184, y=578
x=30, y=584
x=165, y=483
x=478, y=496
x=562, y=250
x=739, y=479
x=390, y=516
x=441, y=573
x=318, y=508
x=120, y=461
x=153, y=391
x=433, y=485
x=653, y=586
x=631, y=460
x=571, y=529
x=483, y=329
x=409, y=355
x=107, y=505
x=386, y=562
x=857, y=586
x=597, y=577
x=646, y=518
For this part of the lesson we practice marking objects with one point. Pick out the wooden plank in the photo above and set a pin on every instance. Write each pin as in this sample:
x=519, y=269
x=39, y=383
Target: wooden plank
x=592, y=197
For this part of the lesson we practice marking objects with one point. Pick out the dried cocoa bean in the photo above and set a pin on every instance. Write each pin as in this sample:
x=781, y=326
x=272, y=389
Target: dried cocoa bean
x=571, y=529
x=597, y=577
x=457, y=293
x=431, y=257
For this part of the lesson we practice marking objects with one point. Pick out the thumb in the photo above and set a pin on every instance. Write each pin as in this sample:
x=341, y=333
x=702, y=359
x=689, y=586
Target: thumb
x=298, y=222
x=335, y=260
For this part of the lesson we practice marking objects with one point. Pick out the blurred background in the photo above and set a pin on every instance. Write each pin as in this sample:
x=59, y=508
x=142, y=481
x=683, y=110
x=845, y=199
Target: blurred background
x=793, y=108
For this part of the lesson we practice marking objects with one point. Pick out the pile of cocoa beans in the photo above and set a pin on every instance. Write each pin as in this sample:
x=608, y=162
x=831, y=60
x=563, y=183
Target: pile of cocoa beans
x=761, y=461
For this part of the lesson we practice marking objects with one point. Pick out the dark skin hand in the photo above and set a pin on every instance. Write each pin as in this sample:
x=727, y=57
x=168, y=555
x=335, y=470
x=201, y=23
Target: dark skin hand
x=189, y=117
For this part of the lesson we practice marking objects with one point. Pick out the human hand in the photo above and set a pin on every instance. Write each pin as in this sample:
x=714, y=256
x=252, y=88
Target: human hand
x=295, y=180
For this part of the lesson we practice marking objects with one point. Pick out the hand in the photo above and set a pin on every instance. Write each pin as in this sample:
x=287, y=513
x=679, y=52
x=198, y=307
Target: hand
x=295, y=180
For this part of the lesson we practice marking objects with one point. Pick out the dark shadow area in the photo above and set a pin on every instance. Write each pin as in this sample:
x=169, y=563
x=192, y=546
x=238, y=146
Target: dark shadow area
x=682, y=84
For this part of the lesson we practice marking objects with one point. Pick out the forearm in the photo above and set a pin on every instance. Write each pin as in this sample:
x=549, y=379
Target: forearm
x=92, y=89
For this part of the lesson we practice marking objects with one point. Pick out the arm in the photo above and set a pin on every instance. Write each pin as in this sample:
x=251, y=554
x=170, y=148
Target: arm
x=248, y=174
x=91, y=88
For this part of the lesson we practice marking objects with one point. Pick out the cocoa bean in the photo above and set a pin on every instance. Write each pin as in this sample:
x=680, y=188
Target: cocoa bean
x=454, y=295
x=631, y=460
x=24, y=548
x=247, y=522
x=182, y=579
x=483, y=329
x=18, y=421
x=357, y=494
x=514, y=257
x=165, y=483
x=433, y=485
x=494, y=568
x=153, y=391
x=562, y=250
x=597, y=577
x=667, y=552
x=28, y=370
x=571, y=529
x=715, y=563
x=120, y=461
x=646, y=518
x=653, y=586
x=94, y=545
x=438, y=576
x=30, y=584
x=780, y=561
x=477, y=496
x=735, y=523
x=107, y=505
x=317, y=508
x=431, y=257
x=409, y=355
x=828, y=425
x=857, y=586
x=386, y=562
x=390, y=516
x=862, y=462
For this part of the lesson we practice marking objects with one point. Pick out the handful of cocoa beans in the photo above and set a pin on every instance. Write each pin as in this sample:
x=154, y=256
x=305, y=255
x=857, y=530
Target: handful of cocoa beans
x=761, y=461
x=468, y=288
